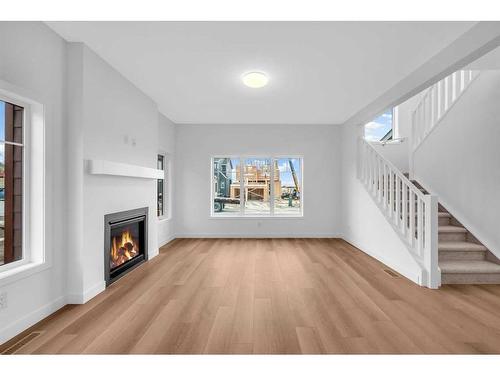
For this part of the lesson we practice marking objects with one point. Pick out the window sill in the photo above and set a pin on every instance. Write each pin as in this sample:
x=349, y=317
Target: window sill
x=21, y=272
x=162, y=219
x=253, y=217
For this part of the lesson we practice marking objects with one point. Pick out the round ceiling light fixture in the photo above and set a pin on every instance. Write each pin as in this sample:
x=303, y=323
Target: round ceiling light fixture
x=255, y=79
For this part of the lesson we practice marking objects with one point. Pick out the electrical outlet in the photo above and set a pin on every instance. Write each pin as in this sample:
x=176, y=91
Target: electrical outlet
x=3, y=300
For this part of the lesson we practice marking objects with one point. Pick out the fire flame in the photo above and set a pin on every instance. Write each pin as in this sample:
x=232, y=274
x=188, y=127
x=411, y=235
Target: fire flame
x=123, y=248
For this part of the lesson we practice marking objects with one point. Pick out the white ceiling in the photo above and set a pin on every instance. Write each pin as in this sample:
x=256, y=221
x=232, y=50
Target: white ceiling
x=320, y=72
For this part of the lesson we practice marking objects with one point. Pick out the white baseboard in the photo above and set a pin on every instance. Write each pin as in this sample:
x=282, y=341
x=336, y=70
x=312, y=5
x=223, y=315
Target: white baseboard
x=30, y=319
x=80, y=299
x=169, y=239
x=258, y=235
x=409, y=274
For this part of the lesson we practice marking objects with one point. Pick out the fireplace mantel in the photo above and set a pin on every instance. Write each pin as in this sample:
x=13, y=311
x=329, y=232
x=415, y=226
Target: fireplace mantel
x=111, y=168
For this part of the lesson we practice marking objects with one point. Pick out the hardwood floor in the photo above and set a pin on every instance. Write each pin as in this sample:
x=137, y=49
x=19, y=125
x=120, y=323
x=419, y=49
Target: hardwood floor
x=271, y=296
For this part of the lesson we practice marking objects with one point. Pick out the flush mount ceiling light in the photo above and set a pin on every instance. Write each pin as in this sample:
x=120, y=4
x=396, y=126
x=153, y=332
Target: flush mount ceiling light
x=255, y=80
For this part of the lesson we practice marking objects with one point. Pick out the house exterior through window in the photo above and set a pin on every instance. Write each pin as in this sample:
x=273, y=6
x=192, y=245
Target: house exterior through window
x=256, y=186
x=11, y=182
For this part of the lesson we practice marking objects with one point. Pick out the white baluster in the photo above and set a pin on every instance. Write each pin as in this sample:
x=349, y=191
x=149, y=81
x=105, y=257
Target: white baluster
x=420, y=221
x=405, y=208
x=446, y=93
x=439, y=99
x=411, y=227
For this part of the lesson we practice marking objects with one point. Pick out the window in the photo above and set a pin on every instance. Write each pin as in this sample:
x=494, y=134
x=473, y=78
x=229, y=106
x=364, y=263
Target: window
x=160, y=192
x=381, y=128
x=287, y=201
x=256, y=186
x=11, y=182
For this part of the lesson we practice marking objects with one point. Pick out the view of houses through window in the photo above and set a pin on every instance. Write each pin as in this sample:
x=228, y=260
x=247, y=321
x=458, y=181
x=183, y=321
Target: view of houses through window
x=380, y=128
x=262, y=187
x=160, y=199
x=11, y=182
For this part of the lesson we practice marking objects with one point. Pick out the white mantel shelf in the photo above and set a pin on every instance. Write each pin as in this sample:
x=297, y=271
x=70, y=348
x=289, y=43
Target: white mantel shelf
x=111, y=168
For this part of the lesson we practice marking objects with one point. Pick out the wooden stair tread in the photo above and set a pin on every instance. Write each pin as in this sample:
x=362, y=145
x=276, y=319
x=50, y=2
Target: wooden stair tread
x=470, y=267
x=443, y=214
x=460, y=246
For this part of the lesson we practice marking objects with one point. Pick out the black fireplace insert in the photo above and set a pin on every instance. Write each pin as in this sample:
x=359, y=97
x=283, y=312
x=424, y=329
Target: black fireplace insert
x=125, y=242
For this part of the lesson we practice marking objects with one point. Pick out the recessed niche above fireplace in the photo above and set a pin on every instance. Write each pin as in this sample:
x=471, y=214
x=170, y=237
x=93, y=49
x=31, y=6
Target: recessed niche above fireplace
x=125, y=242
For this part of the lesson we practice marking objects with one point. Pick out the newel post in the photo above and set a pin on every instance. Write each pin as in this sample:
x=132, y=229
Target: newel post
x=431, y=241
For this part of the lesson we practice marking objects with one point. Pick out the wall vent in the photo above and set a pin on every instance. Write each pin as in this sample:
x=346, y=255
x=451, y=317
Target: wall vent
x=391, y=273
x=21, y=342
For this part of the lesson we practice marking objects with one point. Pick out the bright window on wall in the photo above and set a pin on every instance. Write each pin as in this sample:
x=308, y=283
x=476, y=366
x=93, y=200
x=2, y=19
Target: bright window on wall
x=256, y=186
x=381, y=128
x=11, y=182
x=160, y=191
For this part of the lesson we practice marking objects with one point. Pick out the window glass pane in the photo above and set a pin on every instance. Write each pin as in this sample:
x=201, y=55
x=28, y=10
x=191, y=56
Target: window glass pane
x=257, y=185
x=2, y=122
x=287, y=200
x=2, y=197
x=160, y=207
x=380, y=128
x=11, y=186
x=160, y=199
x=226, y=186
x=161, y=160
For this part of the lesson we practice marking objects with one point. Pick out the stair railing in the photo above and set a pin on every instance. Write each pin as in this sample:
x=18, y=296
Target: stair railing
x=437, y=100
x=412, y=214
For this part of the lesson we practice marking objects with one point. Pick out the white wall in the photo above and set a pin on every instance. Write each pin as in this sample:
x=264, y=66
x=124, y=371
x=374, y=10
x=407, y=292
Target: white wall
x=91, y=112
x=119, y=123
x=32, y=57
x=396, y=153
x=459, y=160
x=320, y=147
x=364, y=225
x=404, y=114
x=166, y=139
x=490, y=61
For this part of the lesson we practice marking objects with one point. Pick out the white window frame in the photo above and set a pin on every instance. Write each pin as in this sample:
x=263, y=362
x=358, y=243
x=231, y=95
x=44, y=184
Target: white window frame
x=271, y=213
x=34, y=257
x=164, y=215
x=167, y=186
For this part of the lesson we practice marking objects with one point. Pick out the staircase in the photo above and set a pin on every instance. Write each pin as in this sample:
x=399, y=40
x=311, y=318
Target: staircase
x=412, y=214
x=462, y=258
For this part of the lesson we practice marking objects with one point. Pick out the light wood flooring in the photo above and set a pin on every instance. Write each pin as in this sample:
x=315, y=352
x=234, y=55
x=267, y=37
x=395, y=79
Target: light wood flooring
x=271, y=296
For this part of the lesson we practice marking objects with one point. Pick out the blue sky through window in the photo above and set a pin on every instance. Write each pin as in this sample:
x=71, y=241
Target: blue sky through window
x=286, y=173
x=379, y=126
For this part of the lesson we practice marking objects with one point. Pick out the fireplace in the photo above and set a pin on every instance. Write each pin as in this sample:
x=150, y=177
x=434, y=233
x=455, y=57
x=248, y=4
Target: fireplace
x=125, y=242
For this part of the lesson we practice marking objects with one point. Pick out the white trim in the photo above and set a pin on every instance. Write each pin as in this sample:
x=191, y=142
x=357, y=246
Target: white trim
x=168, y=240
x=30, y=319
x=34, y=212
x=165, y=170
x=87, y=295
x=259, y=235
x=21, y=271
